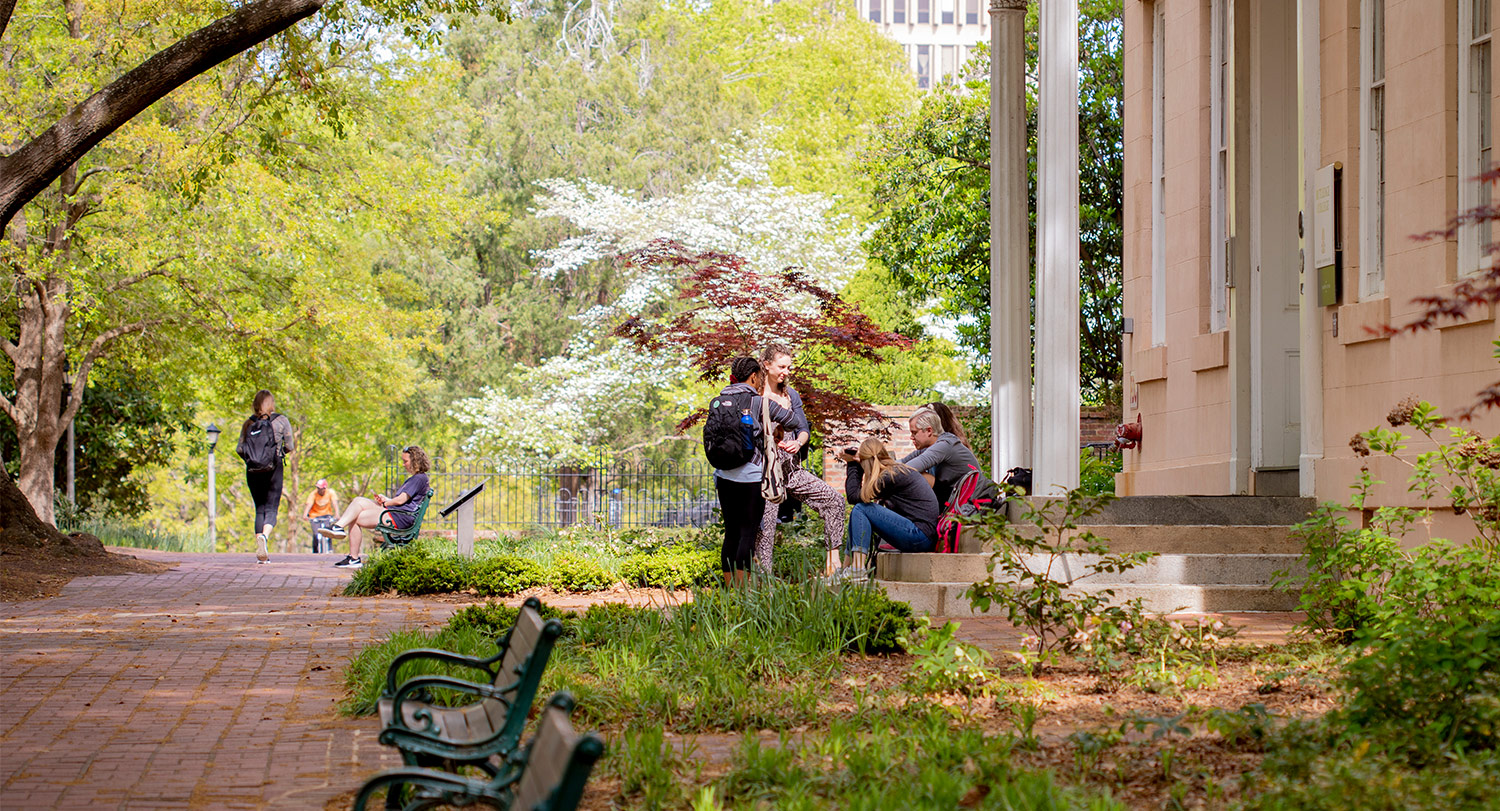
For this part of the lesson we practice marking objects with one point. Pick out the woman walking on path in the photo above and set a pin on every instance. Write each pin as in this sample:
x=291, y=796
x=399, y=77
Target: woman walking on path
x=891, y=501
x=776, y=364
x=265, y=440
x=364, y=513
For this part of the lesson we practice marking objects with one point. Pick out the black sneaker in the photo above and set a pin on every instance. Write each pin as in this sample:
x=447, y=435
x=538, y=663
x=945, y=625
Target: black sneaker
x=350, y=562
x=333, y=531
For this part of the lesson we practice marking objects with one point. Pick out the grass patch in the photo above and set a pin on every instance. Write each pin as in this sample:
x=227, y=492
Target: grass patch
x=732, y=659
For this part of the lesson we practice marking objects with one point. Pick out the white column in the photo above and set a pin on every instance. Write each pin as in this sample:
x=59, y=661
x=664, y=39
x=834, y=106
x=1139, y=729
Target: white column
x=1311, y=87
x=1056, y=422
x=1010, y=262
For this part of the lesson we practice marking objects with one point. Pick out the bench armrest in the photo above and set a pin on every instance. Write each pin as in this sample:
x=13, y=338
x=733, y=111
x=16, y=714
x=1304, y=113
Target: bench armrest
x=486, y=665
x=420, y=684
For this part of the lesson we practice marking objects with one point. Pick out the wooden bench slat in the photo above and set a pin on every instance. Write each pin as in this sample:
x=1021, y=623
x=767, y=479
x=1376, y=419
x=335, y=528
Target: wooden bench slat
x=547, y=759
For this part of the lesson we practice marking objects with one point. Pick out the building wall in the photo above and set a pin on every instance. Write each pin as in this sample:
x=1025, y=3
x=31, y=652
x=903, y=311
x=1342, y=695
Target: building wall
x=1180, y=386
x=1183, y=387
x=938, y=35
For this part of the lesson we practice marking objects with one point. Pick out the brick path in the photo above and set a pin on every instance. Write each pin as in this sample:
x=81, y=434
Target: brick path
x=215, y=685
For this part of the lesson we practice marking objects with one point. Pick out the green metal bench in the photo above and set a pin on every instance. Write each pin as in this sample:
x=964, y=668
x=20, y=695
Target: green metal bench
x=450, y=737
x=391, y=536
x=549, y=774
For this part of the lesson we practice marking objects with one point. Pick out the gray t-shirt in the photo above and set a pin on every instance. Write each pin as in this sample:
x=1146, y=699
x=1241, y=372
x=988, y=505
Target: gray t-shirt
x=947, y=459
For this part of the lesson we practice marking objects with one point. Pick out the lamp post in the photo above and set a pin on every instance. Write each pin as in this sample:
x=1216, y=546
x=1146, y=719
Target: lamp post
x=213, y=439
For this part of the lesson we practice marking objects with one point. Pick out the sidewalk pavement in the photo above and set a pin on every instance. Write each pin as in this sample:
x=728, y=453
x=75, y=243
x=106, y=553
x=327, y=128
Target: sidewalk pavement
x=214, y=685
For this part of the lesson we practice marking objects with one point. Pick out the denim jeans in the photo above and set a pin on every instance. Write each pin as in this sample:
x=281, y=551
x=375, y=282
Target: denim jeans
x=900, y=531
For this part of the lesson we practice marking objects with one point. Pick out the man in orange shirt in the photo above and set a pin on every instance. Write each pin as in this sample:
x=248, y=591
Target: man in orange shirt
x=322, y=505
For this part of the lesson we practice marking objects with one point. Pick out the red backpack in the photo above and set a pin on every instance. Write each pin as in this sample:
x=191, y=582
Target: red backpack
x=973, y=493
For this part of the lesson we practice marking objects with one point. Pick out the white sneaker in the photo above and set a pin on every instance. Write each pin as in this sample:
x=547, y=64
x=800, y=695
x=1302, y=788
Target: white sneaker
x=333, y=531
x=350, y=562
x=261, y=555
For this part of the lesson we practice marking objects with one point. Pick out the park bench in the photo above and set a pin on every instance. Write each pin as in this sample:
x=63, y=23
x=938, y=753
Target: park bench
x=430, y=734
x=547, y=775
x=391, y=536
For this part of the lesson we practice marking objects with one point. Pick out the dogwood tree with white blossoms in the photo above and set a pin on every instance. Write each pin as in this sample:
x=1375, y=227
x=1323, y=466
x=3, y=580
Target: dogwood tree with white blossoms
x=737, y=210
x=574, y=403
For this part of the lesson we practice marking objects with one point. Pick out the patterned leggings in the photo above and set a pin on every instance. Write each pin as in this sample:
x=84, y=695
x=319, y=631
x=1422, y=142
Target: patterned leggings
x=815, y=493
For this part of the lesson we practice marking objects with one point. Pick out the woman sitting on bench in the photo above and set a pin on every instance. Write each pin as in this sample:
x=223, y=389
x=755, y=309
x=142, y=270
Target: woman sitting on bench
x=363, y=513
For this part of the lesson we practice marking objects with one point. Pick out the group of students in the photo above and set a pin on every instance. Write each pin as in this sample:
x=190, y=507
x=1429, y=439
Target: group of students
x=266, y=438
x=898, y=502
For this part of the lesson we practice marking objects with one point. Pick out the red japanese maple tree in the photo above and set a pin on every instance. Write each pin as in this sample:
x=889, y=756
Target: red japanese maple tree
x=731, y=310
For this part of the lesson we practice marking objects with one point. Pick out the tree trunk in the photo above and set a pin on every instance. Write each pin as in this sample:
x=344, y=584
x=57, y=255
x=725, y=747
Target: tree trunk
x=30, y=169
x=38, y=411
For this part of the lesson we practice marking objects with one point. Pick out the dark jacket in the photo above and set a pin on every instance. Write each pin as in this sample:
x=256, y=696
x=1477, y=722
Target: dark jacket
x=904, y=492
x=947, y=459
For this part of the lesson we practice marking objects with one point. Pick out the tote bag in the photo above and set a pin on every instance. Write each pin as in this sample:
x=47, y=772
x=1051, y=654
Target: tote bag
x=773, y=473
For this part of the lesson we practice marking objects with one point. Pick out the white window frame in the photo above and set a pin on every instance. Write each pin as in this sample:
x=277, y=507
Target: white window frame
x=1372, y=104
x=1158, y=176
x=1475, y=132
x=1218, y=266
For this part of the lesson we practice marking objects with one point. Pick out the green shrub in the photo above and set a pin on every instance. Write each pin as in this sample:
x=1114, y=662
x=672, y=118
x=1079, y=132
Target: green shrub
x=381, y=568
x=503, y=575
x=1027, y=578
x=603, y=622
x=428, y=575
x=671, y=567
x=1428, y=683
x=569, y=573
x=495, y=619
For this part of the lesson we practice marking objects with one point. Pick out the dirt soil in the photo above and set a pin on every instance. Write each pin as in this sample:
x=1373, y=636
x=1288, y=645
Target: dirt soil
x=37, y=561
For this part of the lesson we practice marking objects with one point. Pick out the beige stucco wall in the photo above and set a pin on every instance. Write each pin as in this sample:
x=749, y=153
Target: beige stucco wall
x=1182, y=389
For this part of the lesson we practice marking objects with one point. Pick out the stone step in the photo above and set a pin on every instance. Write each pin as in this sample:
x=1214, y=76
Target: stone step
x=1196, y=510
x=1184, y=539
x=947, y=599
x=1171, y=570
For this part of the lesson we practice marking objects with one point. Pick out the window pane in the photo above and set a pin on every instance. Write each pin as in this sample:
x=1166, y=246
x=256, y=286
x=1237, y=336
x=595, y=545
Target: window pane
x=924, y=11
x=947, y=6
x=874, y=11
x=898, y=11
x=1377, y=33
x=949, y=56
x=924, y=66
x=971, y=12
x=1481, y=18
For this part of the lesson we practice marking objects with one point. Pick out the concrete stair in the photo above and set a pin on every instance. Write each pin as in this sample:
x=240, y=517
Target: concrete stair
x=1215, y=553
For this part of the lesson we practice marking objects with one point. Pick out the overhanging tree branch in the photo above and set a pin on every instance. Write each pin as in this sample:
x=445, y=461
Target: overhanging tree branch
x=29, y=170
x=100, y=343
x=6, y=7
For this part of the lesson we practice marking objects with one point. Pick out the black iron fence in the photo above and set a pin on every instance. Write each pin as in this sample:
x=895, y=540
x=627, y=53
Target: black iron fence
x=603, y=490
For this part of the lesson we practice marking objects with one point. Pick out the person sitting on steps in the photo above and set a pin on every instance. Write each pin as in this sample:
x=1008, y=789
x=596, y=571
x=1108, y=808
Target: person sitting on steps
x=891, y=501
x=363, y=513
x=941, y=455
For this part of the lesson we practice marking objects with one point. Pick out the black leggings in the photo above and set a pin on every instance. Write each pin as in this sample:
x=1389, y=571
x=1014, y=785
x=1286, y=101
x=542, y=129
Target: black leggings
x=741, y=505
x=265, y=490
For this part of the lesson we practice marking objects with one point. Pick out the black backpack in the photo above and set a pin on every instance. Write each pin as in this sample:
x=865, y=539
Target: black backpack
x=727, y=441
x=258, y=446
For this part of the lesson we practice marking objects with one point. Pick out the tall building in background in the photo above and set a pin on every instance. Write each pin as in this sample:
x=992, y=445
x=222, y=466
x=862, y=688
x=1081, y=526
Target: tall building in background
x=938, y=35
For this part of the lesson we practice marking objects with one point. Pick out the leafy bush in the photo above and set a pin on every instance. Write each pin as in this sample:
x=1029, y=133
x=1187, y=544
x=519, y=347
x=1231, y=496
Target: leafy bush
x=569, y=573
x=503, y=575
x=429, y=575
x=381, y=568
x=1429, y=681
x=1055, y=618
x=496, y=619
x=673, y=567
x=945, y=664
